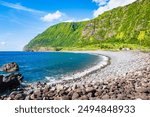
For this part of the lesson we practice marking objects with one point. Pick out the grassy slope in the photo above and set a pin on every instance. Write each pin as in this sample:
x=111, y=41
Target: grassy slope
x=118, y=28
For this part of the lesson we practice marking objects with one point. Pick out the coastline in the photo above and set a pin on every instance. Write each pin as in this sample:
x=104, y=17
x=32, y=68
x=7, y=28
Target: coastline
x=126, y=77
x=101, y=63
x=119, y=63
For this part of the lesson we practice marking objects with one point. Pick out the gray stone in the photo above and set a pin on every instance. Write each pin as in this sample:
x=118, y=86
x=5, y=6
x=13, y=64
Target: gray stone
x=18, y=96
x=53, y=89
x=75, y=96
x=65, y=98
x=74, y=87
x=32, y=97
x=37, y=93
x=105, y=97
x=89, y=89
x=59, y=87
x=27, y=97
x=84, y=97
x=29, y=91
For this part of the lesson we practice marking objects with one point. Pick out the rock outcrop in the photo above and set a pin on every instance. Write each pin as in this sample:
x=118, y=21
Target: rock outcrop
x=11, y=80
x=10, y=67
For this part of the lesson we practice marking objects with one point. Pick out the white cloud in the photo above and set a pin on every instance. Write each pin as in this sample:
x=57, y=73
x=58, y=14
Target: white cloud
x=52, y=16
x=110, y=5
x=19, y=7
x=101, y=2
x=2, y=43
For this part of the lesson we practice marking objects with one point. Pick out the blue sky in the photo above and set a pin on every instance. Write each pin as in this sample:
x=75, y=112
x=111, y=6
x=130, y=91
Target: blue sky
x=22, y=20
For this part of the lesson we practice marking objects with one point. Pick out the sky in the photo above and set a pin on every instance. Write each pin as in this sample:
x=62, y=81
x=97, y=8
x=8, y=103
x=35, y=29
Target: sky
x=22, y=20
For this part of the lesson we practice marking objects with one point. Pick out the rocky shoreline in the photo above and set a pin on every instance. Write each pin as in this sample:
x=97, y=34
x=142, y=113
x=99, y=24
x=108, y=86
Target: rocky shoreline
x=126, y=78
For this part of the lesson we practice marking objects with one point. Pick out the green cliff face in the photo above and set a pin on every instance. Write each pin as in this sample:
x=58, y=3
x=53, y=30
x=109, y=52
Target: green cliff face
x=123, y=27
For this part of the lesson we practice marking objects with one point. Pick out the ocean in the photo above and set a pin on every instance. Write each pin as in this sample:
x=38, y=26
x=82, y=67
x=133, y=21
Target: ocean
x=43, y=66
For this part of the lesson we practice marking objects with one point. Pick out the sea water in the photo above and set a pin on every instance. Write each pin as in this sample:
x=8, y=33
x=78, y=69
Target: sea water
x=41, y=66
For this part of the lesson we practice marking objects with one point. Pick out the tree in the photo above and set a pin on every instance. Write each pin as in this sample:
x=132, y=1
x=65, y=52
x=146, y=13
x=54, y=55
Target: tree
x=74, y=26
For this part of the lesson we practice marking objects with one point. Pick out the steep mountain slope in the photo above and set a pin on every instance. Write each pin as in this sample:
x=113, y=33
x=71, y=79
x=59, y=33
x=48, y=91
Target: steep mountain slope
x=121, y=27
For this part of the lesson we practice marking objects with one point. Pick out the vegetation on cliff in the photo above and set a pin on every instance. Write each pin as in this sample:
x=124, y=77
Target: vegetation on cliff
x=122, y=27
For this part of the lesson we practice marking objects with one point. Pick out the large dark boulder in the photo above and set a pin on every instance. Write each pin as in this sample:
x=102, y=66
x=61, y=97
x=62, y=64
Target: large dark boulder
x=11, y=81
x=1, y=79
x=10, y=67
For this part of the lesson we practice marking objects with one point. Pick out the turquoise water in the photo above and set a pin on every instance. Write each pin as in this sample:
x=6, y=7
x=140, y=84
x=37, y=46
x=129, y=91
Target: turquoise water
x=38, y=66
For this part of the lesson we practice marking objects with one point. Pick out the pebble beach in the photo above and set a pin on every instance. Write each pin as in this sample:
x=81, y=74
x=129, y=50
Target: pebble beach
x=126, y=76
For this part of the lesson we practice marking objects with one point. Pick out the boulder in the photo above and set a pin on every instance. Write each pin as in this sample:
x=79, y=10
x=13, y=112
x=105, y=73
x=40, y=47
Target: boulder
x=10, y=81
x=1, y=79
x=10, y=67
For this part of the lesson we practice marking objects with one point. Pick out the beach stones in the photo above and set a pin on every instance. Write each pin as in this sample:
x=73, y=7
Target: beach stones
x=129, y=86
x=10, y=67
